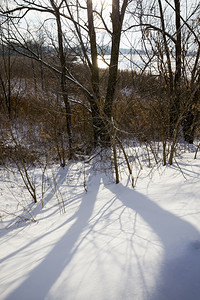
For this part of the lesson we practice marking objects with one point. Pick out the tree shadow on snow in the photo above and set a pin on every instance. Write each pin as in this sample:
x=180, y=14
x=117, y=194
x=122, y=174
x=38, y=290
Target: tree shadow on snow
x=179, y=273
x=60, y=179
x=43, y=276
x=30, y=214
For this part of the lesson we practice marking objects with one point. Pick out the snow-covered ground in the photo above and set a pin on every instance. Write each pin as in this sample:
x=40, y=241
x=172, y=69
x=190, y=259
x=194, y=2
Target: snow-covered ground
x=112, y=242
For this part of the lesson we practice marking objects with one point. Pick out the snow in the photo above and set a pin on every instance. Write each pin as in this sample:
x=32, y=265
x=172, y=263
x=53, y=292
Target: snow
x=112, y=242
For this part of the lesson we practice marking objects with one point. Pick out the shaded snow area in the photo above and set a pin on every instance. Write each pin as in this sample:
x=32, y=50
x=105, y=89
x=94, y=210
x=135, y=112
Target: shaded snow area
x=112, y=242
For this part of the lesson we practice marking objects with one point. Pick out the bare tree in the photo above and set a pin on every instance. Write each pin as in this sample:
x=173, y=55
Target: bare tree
x=170, y=35
x=101, y=121
x=63, y=65
x=83, y=30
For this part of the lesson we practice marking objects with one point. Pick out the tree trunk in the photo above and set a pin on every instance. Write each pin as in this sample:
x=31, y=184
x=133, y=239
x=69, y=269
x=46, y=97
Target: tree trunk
x=63, y=78
x=113, y=68
x=175, y=99
x=98, y=124
x=117, y=17
x=191, y=116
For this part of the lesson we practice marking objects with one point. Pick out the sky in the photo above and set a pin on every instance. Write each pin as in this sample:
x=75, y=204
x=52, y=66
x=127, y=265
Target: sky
x=34, y=20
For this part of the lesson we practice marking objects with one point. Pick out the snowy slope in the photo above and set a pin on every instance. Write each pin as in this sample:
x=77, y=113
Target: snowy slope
x=113, y=242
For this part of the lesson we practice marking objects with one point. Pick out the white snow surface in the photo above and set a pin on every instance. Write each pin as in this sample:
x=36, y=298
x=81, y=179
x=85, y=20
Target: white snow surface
x=113, y=242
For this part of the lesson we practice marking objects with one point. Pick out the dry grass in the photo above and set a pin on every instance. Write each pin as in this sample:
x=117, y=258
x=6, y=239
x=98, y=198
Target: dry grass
x=38, y=120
